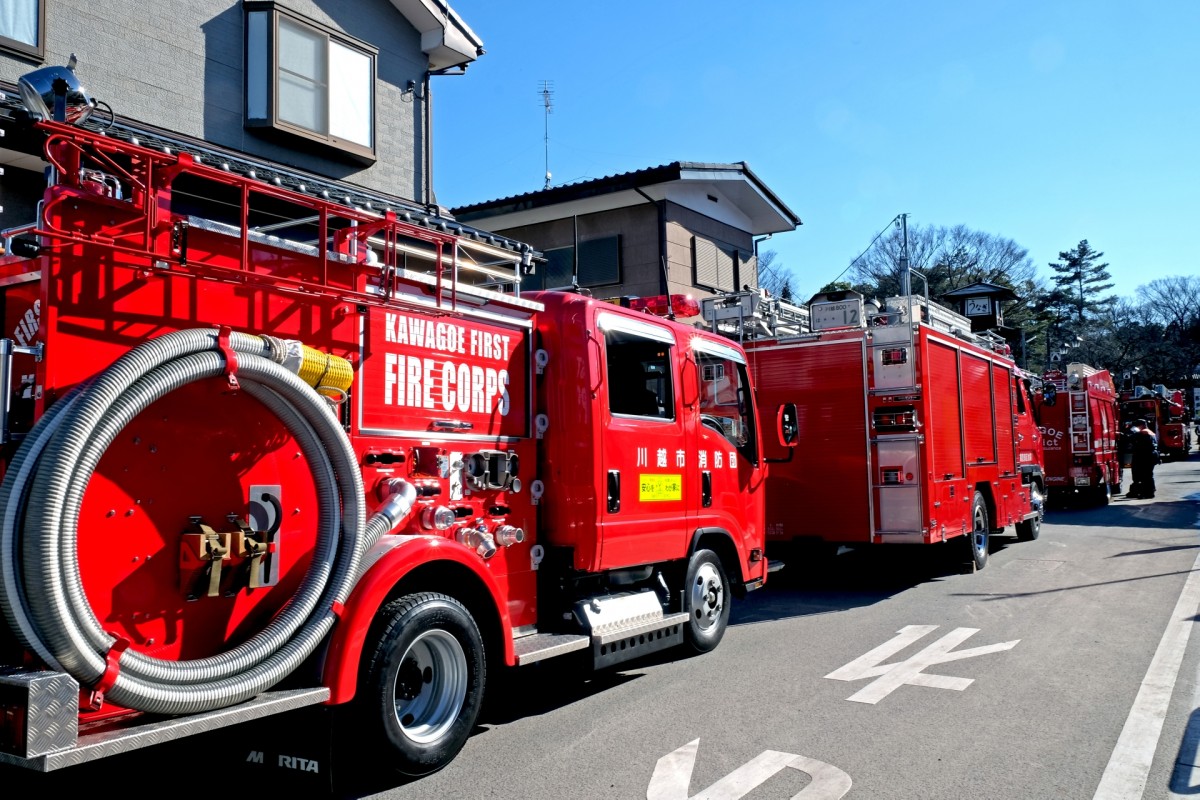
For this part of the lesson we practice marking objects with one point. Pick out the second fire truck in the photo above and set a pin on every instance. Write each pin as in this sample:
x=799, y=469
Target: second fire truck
x=915, y=430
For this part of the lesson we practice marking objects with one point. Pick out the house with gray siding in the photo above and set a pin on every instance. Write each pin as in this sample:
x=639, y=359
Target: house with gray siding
x=337, y=90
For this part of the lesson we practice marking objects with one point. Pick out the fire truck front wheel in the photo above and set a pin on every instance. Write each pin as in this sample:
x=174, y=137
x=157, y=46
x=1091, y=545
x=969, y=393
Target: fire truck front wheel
x=977, y=538
x=706, y=599
x=423, y=682
x=1031, y=528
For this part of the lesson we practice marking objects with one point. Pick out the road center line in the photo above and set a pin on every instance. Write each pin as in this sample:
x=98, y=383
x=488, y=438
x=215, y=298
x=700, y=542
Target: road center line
x=1129, y=766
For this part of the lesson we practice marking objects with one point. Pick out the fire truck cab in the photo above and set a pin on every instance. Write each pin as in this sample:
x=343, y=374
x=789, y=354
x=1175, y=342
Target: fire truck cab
x=915, y=430
x=1078, y=417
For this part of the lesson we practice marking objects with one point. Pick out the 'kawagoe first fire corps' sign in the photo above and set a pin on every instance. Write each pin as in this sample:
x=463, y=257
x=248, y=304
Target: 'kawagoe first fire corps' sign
x=420, y=370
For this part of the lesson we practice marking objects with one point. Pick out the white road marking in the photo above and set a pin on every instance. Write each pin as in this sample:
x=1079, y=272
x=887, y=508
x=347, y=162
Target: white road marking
x=1129, y=766
x=673, y=775
x=892, y=676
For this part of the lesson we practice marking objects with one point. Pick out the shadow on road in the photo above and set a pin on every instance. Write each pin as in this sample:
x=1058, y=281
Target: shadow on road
x=815, y=584
x=1185, y=778
x=1124, y=513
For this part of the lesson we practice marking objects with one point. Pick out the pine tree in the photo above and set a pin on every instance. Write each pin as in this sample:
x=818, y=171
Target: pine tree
x=1082, y=281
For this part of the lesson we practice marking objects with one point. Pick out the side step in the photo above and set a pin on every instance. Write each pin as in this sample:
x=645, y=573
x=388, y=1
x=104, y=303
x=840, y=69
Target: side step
x=616, y=627
x=541, y=646
x=624, y=644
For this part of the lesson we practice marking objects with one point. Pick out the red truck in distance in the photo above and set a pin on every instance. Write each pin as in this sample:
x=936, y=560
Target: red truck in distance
x=1166, y=413
x=1078, y=416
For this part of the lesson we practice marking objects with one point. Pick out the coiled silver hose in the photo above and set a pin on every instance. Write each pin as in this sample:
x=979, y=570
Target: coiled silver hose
x=41, y=593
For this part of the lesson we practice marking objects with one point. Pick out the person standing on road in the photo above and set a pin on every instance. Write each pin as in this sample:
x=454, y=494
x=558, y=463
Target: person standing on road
x=1144, y=449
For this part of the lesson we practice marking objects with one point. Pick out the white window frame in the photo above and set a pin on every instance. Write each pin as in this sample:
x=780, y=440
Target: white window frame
x=263, y=20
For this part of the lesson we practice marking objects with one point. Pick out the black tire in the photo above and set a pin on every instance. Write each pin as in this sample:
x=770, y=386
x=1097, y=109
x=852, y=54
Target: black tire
x=422, y=686
x=1103, y=493
x=706, y=599
x=1031, y=529
x=979, y=537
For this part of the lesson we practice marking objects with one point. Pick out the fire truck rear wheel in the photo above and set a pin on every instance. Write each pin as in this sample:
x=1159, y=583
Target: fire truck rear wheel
x=424, y=682
x=706, y=599
x=978, y=537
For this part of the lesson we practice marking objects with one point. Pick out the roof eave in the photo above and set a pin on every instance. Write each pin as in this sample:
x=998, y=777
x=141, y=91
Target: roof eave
x=446, y=39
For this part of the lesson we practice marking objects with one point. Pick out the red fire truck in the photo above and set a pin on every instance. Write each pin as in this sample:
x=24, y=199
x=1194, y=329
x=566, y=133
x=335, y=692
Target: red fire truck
x=272, y=444
x=915, y=430
x=1166, y=413
x=1078, y=417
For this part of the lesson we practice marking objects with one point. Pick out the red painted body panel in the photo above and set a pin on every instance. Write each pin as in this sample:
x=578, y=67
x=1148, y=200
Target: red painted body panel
x=897, y=455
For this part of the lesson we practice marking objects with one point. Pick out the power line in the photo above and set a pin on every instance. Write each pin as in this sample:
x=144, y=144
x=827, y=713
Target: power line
x=891, y=222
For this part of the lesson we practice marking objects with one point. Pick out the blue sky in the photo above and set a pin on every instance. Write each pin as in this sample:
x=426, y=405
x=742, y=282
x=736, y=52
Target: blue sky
x=1043, y=122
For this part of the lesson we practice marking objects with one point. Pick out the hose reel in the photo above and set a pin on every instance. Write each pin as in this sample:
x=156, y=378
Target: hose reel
x=41, y=592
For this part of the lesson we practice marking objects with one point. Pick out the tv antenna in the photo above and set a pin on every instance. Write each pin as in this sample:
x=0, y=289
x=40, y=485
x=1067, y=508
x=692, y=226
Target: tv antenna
x=547, y=94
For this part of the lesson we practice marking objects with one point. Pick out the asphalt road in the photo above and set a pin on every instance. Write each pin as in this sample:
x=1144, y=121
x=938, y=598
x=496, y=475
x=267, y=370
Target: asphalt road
x=1064, y=669
x=1082, y=612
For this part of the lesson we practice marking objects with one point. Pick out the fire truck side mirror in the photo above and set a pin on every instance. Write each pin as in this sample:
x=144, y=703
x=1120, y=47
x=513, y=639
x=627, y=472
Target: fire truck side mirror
x=1049, y=394
x=787, y=425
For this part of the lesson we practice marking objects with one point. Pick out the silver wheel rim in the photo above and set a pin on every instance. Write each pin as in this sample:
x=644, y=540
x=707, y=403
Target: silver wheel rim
x=979, y=535
x=707, y=596
x=430, y=687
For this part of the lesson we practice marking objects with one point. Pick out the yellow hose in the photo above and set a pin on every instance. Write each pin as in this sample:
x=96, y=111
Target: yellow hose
x=330, y=375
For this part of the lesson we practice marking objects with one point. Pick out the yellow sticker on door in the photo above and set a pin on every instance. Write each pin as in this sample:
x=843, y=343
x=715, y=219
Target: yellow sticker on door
x=653, y=488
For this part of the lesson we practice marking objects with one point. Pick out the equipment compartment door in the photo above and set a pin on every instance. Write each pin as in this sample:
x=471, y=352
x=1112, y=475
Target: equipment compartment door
x=818, y=492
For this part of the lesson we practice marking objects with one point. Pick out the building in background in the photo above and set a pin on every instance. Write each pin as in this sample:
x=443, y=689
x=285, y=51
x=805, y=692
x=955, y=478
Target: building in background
x=679, y=228
x=319, y=91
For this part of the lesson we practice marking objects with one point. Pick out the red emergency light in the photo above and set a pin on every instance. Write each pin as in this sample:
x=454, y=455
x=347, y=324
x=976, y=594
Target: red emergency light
x=662, y=305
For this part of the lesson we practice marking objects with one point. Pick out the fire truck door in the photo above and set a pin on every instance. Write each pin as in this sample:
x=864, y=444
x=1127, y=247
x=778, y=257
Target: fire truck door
x=722, y=453
x=643, y=501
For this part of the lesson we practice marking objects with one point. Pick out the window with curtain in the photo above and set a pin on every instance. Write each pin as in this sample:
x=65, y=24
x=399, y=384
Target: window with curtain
x=22, y=26
x=309, y=80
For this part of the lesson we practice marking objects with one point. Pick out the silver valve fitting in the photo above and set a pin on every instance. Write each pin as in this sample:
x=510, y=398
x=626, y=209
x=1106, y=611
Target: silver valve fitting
x=480, y=541
x=508, y=535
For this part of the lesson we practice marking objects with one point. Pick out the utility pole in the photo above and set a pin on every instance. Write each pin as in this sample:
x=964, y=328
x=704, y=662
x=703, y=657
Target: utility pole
x=547, y=93
x=905, y=270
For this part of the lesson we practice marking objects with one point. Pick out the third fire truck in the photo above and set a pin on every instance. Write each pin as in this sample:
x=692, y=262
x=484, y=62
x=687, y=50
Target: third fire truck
x=914, y=430
x=271, y=442
x=1079, y=420
x=1165, y=412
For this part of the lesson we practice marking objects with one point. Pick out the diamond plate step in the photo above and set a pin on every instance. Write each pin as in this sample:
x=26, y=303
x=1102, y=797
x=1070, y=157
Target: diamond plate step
x=541, y=646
